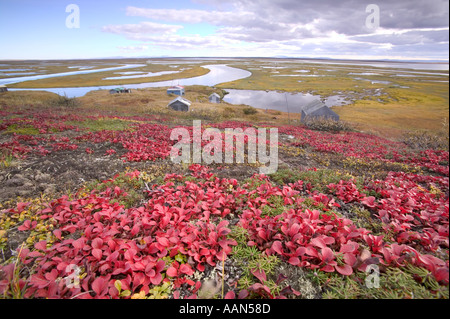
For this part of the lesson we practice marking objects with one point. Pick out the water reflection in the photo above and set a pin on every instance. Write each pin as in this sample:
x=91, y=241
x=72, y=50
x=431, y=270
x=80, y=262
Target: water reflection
x=280, y=101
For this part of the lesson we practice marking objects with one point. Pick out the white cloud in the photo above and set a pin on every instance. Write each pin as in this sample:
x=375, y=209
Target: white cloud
x=134, y=48
x=143, y=30
x=192, y=15
x=296, y=28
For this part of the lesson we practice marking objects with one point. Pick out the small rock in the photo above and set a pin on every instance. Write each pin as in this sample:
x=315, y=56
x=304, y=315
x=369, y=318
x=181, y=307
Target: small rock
x=14, y=182
x=50, y=189
x=28, y=185
x=42, y=177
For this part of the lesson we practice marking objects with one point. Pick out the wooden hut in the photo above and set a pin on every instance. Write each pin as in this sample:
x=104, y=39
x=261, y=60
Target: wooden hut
x=214, y=98
x=317, y=109
x=177, y=90
x=180, y=104
x=119, y=90
x=3, y=88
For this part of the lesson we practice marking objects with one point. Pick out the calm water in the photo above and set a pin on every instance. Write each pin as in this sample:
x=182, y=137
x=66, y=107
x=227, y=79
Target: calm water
x=219, y=73
x=45, y=76
x=280, y=101
x=386, y=64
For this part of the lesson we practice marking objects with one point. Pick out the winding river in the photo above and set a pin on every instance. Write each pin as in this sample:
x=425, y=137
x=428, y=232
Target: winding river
x=219, y=73
x=54, y=75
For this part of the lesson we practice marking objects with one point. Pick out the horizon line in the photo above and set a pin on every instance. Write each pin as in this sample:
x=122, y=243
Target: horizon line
x=239, y=57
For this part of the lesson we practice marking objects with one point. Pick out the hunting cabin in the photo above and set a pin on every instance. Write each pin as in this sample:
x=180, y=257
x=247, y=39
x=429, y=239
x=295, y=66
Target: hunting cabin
x=119, y=90
x=214, y=98
x=177, y=90
x=317, y=109
x=180, y=104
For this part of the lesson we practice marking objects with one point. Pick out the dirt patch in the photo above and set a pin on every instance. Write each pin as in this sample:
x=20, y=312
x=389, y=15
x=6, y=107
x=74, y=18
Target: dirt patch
x=62, y=171
x=236, y=171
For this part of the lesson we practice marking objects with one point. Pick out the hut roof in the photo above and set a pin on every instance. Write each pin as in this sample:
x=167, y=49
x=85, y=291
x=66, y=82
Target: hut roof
x=182, y=100
x=313, y=106
x=318, y=109
x=176, y=87
x=215, y=94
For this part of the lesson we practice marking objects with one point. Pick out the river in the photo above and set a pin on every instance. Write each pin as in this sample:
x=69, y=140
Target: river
x=54, y=75
x=219, y=73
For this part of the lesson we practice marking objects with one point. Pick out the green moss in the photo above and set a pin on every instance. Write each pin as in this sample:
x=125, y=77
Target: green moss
x=285, y=176
x=131, y=186
x=408, y=282
x=275, y=206
x=22, y=130
x=101, y=124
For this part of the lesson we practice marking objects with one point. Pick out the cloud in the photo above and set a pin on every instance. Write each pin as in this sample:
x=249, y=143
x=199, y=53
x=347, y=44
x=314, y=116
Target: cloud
x=142, y=31
x=407, y=36
x=297, y=27
x=134, y=48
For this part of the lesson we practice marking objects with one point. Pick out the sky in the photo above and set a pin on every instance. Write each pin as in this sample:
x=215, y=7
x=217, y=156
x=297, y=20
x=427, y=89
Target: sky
x=340, y=29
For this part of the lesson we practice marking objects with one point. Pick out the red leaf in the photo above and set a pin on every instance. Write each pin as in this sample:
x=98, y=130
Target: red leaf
x=345, y=270
x=57, y=233
x=441, y=275
x=277, y=247
x=349, y=247
x=260, y=274
x=135, y=229
x=156, y=280
x=294, y=261
x=97, y=253
x=79, y=243
x=27, y=225
x=201, y=267
x=262, y=234
x=172, y=272
x=230, y=295
x=99, y=285
x=369, y=201
x=312, y=252
x=51, y=276
x=39, y=281
x=163, y=241
x=319, y=242
x=42, y=245
x=160, y=265
x=97, y=243
x=349, y=259
x=197, y=286
x=186, y=269
x=327, y=254
x=327, y=268
x=259, y=286
x=243, y=294
x=138, y=279
x=294, y=229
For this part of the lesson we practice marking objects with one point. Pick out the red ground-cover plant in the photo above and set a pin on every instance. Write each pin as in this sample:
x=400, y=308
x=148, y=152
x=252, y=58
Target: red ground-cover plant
x=107, y=242
x=358, y=145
